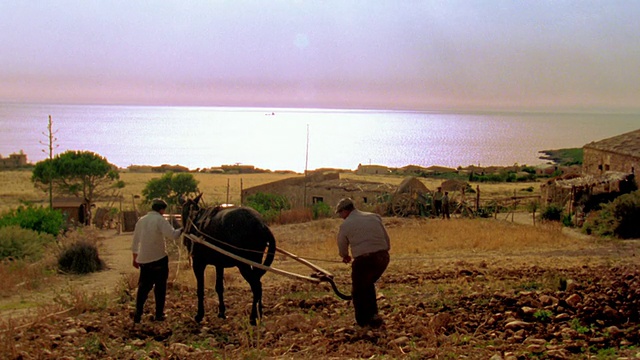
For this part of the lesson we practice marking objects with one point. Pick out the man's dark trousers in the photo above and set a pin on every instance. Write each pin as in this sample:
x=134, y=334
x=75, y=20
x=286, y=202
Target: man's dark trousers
x=365, y=271
x=153, y=275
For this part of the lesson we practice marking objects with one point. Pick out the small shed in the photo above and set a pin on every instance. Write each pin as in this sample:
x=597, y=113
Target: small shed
x=76, y=210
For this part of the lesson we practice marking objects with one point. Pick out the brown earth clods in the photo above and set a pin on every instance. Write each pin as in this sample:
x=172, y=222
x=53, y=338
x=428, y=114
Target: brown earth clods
x=545, y=314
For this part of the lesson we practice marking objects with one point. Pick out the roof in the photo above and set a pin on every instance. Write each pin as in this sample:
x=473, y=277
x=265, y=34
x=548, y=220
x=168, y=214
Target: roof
x=592, y=180
x=625, y=144
x=68, y=202
x=353, y=185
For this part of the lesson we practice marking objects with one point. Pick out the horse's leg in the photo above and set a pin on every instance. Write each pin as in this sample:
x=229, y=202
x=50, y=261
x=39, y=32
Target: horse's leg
x=198, y=271
x=256, y=288
x=220, y=291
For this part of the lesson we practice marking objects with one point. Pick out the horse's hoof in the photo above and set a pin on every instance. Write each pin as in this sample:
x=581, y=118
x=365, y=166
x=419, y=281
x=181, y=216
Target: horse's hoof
x=222, y=316
x=198, y=318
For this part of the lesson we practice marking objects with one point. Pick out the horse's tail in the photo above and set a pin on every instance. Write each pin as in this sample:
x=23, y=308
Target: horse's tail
x=271, y=251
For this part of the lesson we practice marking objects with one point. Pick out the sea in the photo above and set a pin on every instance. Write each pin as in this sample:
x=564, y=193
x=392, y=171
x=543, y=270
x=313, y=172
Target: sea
x=298, y=139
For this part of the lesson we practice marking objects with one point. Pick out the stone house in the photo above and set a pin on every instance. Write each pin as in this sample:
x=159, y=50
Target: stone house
x=318, y=187
x=372, y=170
x=616, y=154
x=14, y=161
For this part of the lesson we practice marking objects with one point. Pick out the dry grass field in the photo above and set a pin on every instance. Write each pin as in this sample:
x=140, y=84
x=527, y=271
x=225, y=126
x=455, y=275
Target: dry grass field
x=459, y=288
x=16, y=186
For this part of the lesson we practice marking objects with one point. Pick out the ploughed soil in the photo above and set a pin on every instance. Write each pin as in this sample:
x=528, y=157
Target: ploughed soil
x=488, y=307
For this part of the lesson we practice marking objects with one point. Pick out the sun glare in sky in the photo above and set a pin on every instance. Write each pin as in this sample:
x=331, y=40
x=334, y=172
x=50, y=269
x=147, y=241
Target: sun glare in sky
x=415, y=55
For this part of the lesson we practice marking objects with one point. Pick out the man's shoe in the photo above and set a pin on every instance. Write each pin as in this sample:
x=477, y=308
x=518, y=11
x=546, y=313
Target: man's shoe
x=136, y=319
x=159, y=318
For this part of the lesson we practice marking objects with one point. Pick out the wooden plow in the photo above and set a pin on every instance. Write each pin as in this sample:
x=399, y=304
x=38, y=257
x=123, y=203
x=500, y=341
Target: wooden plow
x=320, y=276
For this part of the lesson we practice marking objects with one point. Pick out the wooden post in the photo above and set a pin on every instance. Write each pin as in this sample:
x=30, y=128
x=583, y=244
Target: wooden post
x=513, y=211
x=121, y=216
x=477, y=198
x=227, y=190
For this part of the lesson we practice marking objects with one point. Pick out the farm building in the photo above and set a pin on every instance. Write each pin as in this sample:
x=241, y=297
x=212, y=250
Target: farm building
x=372, y=170
x=328, y=188
x=608, y=167
x=14, y=161
x=76, y=210
x=618, y=154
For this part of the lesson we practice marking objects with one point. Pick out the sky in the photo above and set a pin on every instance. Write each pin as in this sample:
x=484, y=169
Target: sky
x=493, y=55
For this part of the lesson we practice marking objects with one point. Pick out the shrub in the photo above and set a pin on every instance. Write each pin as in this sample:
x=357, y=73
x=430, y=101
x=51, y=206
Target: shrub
x=321, y=210
x=40, y=219
x=80, y=258
x=618, y=218
x=268, y=205
x=626, y=211
x=19, y=243
x=552, y=212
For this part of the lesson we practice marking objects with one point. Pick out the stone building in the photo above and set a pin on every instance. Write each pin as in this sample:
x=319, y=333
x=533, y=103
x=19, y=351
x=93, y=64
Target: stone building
x=14, y=161
x=616, y=154
x=328, y=188
x=372, y=170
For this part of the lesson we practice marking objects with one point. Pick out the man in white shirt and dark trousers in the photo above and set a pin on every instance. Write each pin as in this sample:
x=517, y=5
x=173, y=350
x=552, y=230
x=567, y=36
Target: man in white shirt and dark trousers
x=150, y=256
x=367, y=237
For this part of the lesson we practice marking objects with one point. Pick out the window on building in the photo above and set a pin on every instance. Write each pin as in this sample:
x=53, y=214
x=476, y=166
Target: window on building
x=317, y=199
x=364, y=200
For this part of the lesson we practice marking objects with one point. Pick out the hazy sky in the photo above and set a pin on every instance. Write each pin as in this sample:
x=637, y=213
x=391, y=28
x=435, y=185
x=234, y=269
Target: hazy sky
x=396, y=54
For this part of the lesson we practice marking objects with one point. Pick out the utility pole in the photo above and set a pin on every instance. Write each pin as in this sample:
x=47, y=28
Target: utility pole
x=50, y=143
x=306, y=164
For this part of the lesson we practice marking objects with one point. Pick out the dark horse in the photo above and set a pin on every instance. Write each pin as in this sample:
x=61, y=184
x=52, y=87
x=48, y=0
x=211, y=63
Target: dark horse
x=239, y=230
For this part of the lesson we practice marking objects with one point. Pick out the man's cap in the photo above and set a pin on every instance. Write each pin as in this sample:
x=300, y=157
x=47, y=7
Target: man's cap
x=158, y=201
x=343, y=204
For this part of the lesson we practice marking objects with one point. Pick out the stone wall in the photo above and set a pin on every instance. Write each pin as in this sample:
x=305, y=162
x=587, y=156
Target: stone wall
x=597, y=162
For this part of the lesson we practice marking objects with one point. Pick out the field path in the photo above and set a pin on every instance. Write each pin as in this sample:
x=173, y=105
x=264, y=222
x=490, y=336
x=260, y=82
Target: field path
x=114, y=250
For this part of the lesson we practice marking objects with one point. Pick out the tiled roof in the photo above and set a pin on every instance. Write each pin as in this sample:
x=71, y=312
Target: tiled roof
x=625, y=144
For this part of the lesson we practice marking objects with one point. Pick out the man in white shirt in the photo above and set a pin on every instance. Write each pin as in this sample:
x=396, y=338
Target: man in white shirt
x=365, y=234
x=150, y=256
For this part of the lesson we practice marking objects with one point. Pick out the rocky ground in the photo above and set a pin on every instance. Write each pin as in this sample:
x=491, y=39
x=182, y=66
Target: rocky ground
x=594, y=311
x=474, y=308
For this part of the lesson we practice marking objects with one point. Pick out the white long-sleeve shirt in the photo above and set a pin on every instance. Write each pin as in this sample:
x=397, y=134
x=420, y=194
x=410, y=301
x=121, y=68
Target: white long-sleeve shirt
x=149, y=237
x=364, y=233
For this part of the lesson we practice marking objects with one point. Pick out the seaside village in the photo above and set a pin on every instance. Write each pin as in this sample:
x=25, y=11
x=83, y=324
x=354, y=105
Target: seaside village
x=608, y=165
x=536, y=292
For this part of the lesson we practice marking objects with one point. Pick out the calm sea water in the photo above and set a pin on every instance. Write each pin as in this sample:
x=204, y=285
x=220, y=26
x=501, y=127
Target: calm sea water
x=294, y=139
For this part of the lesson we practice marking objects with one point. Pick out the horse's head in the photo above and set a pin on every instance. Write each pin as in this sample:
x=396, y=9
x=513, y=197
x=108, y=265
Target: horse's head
x=190, y=209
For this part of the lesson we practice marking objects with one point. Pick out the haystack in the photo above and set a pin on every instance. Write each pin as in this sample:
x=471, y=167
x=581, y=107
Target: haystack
x=411, y=185
x=454, y=185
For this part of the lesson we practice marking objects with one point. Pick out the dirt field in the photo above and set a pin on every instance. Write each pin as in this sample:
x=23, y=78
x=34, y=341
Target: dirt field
x=557, y=302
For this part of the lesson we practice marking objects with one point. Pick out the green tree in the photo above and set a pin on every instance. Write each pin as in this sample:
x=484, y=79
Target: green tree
x=170, y=187
x=78, y=173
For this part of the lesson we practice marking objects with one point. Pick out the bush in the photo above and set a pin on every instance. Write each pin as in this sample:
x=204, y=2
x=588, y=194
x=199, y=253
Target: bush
x=268, y=205
x=80, y=258
x=40, y=219
x=552, y=212
x=321, y=210
x=19, y=243
x=626, y=211
x=618, y=218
